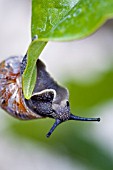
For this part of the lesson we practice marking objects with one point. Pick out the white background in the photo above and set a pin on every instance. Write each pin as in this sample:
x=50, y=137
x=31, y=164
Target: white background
x=85, y=58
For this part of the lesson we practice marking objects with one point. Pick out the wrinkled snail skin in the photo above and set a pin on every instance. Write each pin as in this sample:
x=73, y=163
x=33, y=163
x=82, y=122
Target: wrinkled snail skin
x=48, y=99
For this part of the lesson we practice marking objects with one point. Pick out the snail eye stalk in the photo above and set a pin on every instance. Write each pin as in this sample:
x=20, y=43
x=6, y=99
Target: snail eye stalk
x=72, y=117
x=57, y=122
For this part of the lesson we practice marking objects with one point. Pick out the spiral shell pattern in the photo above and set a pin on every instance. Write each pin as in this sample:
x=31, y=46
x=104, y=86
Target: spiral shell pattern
x=11, y=96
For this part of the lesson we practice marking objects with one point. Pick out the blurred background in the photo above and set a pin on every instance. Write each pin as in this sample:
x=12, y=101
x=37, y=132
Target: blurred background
x=85, y=67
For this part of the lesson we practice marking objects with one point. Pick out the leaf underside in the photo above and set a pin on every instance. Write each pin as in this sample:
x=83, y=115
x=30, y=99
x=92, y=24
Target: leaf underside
x=29, y=75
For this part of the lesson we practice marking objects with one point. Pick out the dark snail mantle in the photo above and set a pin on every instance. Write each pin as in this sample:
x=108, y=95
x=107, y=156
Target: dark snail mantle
x=48, y=99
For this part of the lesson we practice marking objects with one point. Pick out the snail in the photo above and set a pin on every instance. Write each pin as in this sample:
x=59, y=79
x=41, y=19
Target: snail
x=48, y=99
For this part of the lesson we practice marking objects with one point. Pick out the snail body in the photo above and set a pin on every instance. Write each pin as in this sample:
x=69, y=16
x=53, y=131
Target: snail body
x=48, y=98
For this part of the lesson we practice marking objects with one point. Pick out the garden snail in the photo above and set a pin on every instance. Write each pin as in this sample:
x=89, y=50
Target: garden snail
x=48, y=99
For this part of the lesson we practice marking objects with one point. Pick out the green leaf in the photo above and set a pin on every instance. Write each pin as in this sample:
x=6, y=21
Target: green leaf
x=65, y=20
x=61, y=20
x=84, y=96
x=29, y=75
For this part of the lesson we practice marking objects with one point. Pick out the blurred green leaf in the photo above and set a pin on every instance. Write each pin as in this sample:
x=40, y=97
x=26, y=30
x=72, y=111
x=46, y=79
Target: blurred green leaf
x=67, y=141
x=85, y=96
x=65, y=20
x=68, y=138
x=29, y=75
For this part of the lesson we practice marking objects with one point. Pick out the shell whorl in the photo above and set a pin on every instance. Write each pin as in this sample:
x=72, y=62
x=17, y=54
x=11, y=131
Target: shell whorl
x=11, y=96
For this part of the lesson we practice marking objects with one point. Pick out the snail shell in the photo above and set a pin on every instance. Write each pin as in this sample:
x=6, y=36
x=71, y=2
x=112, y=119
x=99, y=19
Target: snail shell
x=11, y=96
